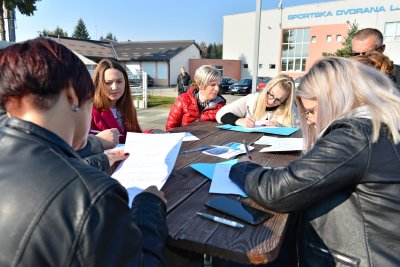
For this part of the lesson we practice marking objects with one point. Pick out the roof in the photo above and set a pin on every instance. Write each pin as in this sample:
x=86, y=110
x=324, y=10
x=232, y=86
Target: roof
x=85, y=60
x=125, y=51
x=88, y=48
x=151, y=50
x=4, y=44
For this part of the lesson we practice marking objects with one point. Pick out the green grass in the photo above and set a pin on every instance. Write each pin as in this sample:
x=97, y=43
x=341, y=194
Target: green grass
x=159, y=101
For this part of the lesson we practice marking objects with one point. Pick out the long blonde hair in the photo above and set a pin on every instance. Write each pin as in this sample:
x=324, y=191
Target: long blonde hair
x=286, y=109
x=341, y=85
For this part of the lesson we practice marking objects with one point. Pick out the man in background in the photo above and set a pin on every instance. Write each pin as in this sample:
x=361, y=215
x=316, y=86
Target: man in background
x=368, y=40
x=183, y=81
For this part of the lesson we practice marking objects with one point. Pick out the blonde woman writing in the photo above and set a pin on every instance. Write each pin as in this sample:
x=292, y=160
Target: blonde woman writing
x=273, y=106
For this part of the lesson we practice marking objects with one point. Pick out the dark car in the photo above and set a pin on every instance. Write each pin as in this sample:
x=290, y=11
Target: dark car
x=135, y=80
x=225, y=83
x=241, y=87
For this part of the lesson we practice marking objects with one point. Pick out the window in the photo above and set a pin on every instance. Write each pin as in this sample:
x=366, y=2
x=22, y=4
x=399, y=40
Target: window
x=392, y=31
x=313, y=39
x=272, y=66
x=295, y=45
x=221, y=69
x=260, y=66
x=245, y=66
x=339, y=38
x=329, y=38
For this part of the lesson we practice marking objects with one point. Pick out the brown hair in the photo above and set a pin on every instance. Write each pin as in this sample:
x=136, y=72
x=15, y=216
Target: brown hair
x=378, y=61
x=124, y=104
x=42, y=69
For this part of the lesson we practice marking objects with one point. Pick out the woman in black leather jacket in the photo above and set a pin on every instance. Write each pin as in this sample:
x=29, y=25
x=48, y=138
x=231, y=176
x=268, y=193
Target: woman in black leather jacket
x=347, y=183
x=55, y=209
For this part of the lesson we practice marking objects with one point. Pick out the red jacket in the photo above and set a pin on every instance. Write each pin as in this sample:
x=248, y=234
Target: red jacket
x=185, y=110
x=103, y=120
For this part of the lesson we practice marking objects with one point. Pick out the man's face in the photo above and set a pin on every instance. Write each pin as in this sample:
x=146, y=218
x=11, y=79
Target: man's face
x=367, y=45
x=183, y=71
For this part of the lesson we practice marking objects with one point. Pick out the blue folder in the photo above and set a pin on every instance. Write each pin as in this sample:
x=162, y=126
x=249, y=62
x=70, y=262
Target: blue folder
x=207, y=169
x=269, y=130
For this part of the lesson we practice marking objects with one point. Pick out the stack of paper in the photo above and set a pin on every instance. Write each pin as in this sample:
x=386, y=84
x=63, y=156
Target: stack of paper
x=151, y=160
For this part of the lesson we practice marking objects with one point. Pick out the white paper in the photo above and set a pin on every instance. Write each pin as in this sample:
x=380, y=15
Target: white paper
x=221, y=184
x=189, y=137
x=151, y=160
x=280, y=144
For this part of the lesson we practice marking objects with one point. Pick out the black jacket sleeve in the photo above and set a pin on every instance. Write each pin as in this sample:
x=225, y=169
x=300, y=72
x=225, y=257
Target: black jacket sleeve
x=229, y=118
x=115, y=235
x=338, y=160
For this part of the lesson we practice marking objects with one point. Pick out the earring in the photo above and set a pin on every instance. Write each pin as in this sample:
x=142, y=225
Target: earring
x=75, y=108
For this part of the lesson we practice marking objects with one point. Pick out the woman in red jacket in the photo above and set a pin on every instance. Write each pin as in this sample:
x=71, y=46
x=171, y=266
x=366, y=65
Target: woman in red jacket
x=199, y=103
x=112, y=104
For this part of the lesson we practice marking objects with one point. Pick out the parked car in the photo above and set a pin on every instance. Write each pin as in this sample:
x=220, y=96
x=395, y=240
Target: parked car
x=241, y=87
x=262, y=82
x=135, y=80
x=225, y=83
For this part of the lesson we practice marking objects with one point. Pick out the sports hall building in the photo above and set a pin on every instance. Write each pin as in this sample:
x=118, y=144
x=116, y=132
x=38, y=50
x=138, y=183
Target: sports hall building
x=293, y=38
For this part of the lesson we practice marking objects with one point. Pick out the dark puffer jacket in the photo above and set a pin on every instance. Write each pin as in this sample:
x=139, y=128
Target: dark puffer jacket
x=185, y=110
x=348, y=189
x=56, y=210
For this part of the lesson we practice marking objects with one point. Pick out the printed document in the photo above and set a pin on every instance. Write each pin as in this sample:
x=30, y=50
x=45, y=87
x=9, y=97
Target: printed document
x=275, y=144
x=151, y=160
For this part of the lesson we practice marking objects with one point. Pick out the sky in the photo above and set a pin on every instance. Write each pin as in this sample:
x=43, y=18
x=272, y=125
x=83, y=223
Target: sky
x=141, y=20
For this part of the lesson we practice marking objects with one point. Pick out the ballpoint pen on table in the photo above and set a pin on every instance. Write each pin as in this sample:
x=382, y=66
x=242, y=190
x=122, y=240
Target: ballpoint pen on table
x=195, y=149
x=221, y=220
x=247, y=149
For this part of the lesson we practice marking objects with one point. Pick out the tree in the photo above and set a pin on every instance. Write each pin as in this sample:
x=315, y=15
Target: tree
x=57, y=32
x=80, y=31
x=110, y=36
x=24, y=7
x=203, y=49
x=346, y=50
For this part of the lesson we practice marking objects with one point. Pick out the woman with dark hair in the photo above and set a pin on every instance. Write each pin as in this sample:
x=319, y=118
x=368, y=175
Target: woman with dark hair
x=112, y=104
x=56, y=210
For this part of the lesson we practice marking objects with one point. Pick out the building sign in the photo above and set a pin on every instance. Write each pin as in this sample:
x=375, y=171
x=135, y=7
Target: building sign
x=342, y=12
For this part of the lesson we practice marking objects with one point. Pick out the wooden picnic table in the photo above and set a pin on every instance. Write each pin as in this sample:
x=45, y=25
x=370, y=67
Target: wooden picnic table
x=187, y=191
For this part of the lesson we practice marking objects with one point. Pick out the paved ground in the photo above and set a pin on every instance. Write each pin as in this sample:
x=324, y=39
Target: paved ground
x=155, y=118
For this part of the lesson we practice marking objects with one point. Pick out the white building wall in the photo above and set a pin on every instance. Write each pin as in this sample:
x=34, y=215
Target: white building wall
x=182, y=60
x=239, y=29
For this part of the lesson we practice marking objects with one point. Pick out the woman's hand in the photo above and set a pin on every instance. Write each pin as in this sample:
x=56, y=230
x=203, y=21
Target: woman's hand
x=247, y=122
x=109, y=138
x=115, y=156
x=272, y=123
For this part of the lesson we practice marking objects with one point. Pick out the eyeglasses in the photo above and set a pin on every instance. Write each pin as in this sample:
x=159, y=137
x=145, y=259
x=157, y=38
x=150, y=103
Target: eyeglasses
x=271, y=96
x=378, y=49
x=307, y=113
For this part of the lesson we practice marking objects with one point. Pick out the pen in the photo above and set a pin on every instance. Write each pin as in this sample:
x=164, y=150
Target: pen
x=195, y=149
x=221, y=220
x=247, y=149
x=248, y=111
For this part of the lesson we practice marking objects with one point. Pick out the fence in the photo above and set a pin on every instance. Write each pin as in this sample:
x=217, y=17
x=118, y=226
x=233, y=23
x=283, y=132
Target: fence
x=139, y=91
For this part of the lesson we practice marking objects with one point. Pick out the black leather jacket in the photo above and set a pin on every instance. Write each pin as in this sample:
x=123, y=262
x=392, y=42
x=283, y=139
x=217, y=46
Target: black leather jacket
x=56, y=210
x=349, y=191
